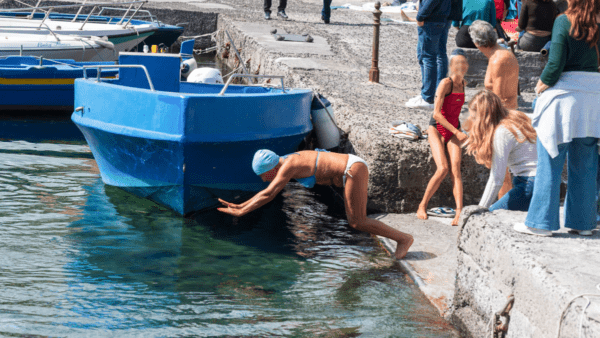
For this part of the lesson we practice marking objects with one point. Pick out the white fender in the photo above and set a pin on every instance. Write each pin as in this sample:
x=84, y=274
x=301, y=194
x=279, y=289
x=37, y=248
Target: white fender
x=206, y=75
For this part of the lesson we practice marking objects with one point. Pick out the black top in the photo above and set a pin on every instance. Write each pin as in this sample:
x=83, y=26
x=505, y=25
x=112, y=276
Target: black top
x=537, y=15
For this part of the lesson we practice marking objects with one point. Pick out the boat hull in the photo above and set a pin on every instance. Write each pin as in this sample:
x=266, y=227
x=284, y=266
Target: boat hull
x=124, y=39
x=26, y=86
x=154, y=169
x=183, y=145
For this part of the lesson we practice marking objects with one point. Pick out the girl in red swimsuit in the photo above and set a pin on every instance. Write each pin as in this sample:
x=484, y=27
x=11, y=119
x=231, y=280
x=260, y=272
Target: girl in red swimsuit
x=445, y=137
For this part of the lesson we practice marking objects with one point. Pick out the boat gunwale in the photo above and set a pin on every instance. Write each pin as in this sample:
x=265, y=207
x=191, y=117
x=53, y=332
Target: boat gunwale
x=288, y=91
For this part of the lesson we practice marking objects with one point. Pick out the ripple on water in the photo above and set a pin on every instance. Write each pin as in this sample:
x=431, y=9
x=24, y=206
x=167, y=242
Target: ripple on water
x=80, y=258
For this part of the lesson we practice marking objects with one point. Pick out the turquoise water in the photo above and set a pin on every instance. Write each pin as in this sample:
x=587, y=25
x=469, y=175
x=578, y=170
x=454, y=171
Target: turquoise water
x=79, y=258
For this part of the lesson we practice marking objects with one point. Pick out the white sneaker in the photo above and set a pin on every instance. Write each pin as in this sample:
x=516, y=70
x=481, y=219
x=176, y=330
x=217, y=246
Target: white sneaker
x=413, y=99
x=581, y=232
x=419, y=103
x=524, y=229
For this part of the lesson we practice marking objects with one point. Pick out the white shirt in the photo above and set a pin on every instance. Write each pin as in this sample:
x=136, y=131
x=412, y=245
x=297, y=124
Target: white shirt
x=520, y=158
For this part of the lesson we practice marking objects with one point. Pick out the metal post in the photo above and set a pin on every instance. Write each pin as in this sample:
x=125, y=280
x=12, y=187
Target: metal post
x=374, y=72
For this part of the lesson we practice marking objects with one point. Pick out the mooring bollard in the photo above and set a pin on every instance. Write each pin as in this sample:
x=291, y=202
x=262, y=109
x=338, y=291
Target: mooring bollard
x=374, y=72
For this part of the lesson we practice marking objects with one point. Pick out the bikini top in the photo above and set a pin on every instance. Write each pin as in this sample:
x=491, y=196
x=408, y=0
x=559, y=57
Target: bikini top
x=310, y=181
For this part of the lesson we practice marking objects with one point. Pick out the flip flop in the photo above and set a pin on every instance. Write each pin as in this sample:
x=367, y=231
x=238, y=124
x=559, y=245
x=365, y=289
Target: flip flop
x=441, y=212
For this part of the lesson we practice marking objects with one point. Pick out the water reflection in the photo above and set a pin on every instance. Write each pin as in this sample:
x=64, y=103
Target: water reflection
x=83, y=259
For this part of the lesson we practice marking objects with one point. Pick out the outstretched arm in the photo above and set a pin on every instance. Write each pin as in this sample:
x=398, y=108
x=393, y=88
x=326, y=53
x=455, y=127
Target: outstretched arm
x=263, y=197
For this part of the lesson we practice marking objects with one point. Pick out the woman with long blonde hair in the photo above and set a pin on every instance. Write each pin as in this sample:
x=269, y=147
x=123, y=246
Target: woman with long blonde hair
x=567, y=121
x=499, y=139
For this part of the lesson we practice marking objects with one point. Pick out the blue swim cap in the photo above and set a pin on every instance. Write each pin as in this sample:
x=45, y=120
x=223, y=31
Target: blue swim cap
x=264, y=160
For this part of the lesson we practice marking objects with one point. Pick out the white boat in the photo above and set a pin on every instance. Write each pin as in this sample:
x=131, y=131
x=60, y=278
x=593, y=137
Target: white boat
x=57, y=46
x=123, y=36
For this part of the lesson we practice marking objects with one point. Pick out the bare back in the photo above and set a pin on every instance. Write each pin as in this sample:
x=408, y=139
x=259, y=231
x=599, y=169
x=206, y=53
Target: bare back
x=502, y=77
x=330, y=167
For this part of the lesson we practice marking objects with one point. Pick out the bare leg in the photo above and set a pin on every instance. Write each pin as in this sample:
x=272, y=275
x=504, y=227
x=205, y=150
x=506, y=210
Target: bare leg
x=455, y=152
x=438, y=150
x=355, y=202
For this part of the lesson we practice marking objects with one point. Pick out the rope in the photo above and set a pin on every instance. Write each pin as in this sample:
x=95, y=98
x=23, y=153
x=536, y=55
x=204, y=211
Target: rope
x=212, y=35
x=234, y=71
x=562, y=316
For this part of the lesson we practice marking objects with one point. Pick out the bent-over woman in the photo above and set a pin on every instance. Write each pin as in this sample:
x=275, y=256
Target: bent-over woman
x=324, y=168
x=499, y=139
x=445, y=138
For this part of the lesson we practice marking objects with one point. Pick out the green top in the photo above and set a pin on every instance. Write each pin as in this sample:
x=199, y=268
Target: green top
x=567, y=54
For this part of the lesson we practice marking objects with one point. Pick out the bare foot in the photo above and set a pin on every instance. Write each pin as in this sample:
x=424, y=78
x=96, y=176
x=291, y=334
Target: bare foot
x=402, y=247
x=455, y=220
x=403, y=16
x=422, y=213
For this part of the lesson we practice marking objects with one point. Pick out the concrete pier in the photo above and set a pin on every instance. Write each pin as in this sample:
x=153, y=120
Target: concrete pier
x=468, y=273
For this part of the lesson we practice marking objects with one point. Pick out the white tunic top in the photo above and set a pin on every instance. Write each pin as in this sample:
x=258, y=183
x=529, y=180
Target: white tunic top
x=520, y=158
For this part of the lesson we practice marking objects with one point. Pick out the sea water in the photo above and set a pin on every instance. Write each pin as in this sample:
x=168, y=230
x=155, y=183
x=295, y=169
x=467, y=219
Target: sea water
x=79, y=258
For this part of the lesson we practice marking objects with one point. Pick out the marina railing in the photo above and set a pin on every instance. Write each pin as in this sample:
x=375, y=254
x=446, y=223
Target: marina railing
x=254, y=77
x=94, y=6
x=98, y=67
x=36, y=28
x=147, y=13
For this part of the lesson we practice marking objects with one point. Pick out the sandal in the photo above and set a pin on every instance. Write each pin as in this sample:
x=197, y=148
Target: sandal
x=441, y=212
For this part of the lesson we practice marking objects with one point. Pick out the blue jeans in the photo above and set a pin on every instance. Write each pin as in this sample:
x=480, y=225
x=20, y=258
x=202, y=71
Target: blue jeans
x=326, y=11
x=519, y=197
x=580, y=204
x=431, y=53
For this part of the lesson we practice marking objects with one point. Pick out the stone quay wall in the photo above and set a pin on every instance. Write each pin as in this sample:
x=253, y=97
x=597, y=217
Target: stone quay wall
x=543, y=273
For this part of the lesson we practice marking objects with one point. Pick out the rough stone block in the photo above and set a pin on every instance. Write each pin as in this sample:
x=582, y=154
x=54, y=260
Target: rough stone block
x=543, y=274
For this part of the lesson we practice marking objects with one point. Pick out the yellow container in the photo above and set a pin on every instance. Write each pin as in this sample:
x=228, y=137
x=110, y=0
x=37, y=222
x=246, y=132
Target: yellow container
x=154, y=49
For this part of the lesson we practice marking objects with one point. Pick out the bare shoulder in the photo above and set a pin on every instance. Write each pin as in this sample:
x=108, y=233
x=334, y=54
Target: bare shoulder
x=445, y=85
x=504, y=60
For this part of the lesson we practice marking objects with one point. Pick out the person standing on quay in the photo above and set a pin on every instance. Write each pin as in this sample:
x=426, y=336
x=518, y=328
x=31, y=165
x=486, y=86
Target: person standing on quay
x=567, y=122
x=433, y=26
x=326, y=11
x=280, y=9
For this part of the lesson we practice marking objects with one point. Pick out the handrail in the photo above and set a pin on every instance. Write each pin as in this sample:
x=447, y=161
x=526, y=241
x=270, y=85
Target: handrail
x=88, y=17
x=33, y=12
x=98, y=67
x=124, y=15
x=72, y=6
x=252, y=76
x=78, y=12
x=45, y=17
x=152, y=17
x=132, y=15
x=36, y=28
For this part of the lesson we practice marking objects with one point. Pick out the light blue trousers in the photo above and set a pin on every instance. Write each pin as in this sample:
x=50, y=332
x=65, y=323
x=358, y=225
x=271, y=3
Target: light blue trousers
x=580, y=205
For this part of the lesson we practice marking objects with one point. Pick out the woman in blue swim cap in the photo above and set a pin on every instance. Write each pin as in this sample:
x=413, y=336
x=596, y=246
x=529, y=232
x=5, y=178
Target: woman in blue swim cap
x=321, y=167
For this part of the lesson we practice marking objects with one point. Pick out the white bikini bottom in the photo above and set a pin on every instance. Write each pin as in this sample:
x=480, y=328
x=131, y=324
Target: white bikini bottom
x=351, y=160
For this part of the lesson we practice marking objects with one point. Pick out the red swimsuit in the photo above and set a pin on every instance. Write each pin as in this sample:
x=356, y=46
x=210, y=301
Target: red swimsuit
x=453, y=103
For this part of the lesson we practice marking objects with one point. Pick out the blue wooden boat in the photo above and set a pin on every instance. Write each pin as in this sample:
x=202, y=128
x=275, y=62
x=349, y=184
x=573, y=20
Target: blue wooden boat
x=180, y=144
x=30, y=83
